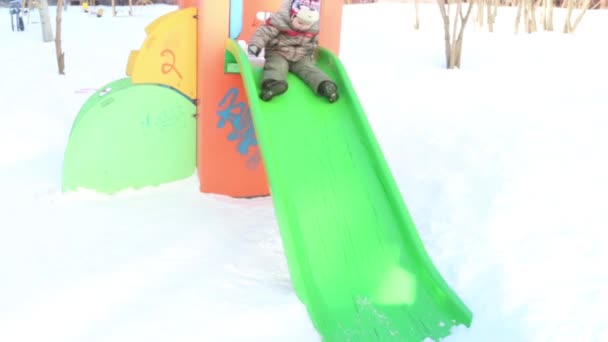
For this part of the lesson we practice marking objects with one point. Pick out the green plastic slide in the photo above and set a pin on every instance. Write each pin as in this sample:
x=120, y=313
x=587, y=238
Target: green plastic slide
x=130, y=136
x=354, y=254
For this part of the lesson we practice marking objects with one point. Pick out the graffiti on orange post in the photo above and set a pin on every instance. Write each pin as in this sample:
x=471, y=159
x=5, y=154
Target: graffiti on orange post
x=166, y=68
x=238, y=114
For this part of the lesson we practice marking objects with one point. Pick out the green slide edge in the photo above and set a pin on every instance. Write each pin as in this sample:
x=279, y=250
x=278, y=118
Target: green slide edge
x=354, y=255
x=131, y=136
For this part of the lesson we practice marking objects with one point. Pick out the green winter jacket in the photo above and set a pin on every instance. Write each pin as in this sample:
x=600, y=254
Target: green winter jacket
x=277, y=36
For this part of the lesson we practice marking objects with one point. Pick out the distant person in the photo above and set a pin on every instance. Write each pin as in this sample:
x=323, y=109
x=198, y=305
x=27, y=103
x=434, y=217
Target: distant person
x=17, y=13
x=290, y=38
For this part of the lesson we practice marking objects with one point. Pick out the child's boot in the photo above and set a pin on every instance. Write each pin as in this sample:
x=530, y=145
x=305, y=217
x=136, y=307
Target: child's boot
x=329, y=90
x=272, y=88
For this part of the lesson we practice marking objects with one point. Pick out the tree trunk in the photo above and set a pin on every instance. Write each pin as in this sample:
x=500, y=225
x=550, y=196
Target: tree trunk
x=446, y=29
x=549, y=15
x=567, y=24
x=480, y=11
x=532, y=16
x=527, y=15
x=543, y=13
x=586, y=5
x=463, y=23
x=58, y=50
x=453, y=50
x=492, y=8
x=45, y=21
x=520, y=7
x=417, y=24
x=453, y=40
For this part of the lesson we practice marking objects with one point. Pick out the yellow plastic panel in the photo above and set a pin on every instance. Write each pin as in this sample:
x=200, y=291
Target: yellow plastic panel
x=131, y=62
x=168, y=55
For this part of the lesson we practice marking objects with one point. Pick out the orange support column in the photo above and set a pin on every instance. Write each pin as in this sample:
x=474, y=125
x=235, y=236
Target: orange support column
x=229, y=160
x=331, y=25
x=187, y=3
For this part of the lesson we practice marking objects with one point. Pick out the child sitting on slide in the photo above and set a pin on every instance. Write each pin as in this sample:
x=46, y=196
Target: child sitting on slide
x=290, y=38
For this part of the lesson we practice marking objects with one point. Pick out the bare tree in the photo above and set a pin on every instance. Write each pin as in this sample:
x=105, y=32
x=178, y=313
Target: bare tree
x=568, y=26
x=453, y=39
x=567, y=23
x=480, y=12
x=59, y=51
x=548, y=15
x=489, y=9
x=530, y=14
x=492, y=9
x=520, y=7
x=528, y=8
x=417, y=24
x=45, y=21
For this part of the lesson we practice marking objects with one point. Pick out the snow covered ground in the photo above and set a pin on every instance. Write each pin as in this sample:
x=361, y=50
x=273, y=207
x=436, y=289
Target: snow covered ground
x=502, y=164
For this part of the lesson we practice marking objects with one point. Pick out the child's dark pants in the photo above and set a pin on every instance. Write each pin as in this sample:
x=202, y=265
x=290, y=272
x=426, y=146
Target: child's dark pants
x=276, y=68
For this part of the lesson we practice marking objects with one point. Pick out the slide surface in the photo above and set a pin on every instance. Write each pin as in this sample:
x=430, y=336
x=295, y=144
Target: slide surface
x=354, y=254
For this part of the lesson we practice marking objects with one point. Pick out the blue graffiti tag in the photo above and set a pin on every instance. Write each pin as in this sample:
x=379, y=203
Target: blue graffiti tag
x=239, y=115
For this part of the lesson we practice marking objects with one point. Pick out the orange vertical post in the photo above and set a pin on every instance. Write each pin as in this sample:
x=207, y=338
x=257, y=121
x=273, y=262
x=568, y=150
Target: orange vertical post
x=228, y=157
x=187, y=3
x=331, y=25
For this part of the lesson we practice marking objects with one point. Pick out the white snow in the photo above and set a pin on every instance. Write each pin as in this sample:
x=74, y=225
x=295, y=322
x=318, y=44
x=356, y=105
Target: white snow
x=502, y=164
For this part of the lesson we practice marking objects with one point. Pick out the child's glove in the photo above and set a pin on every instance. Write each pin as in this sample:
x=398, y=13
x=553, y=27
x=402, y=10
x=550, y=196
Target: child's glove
x=253, y=50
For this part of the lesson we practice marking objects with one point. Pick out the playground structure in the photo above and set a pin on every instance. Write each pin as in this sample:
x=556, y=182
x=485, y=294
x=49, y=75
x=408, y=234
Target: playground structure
x=115, y=12
x=90, y=8
x=190, y=103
